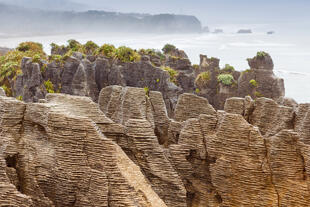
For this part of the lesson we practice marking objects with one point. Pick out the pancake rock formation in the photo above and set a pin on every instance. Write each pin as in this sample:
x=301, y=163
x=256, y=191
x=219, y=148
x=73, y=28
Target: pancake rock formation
x=125, y=151
x=84, y=70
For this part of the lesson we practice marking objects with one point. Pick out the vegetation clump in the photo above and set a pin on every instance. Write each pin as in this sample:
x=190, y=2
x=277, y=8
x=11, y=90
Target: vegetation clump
x=228, y=68
x=261, y=54
x=258, y=94
x=49, y=86
x=89, y=47
x=10, y=63
x=75, y=46
x=172, y=73
x=196, y=67
x=53, y=45
x=126, y=54
x=203, y=78
x=150, y=52
x=57, y=58
x=245, y=71
x=147, y=91
x=20, y=98
x=253, y=82
x=168, y=48
x=107, y=50
x=226, y=79
x=30, y=46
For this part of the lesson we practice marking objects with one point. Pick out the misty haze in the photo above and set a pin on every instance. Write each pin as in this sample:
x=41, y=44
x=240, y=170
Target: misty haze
x=166, y=103
x=201, y=27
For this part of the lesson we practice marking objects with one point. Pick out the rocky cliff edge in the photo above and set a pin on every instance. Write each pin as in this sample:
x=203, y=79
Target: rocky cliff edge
x=125, y=151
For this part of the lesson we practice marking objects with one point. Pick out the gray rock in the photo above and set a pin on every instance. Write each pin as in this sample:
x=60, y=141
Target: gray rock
x=30, y=85
x=244, y=31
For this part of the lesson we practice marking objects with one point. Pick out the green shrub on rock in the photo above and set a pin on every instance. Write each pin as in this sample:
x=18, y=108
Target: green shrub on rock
x=30, y=46
x=150, y=52
x=168, y=48
x=10, y=63
x=126, y=54
x=107, y=50
x=253, y=83
x=196, y=67
x=226, y=79
x=36, y=58
x=74, y=45
x=261, y=54
x=258, y=94
x=49, y=86
x=20, y=98
x=90, y=47
x=147, y=91
x=172, y=73
x=228, y=68
x=57, y=58
x=203, y=78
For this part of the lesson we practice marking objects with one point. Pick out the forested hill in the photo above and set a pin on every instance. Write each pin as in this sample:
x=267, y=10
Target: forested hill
x=21, y=20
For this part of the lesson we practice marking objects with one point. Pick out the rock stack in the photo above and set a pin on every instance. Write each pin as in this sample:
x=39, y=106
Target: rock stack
x=125, y=151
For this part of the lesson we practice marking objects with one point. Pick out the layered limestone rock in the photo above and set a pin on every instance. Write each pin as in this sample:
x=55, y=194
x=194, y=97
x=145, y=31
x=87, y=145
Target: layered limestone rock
x=289, y=164
x=125, y=151
x=242, y=167
x=191, y=106
x=264, y=113
x=302, y=122
x=260, y=80
x=172, y=74
x=60, y=157
x=209, y=85
x=124, y=103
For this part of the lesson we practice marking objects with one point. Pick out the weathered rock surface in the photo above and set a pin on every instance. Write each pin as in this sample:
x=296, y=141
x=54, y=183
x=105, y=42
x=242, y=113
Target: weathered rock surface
x=302, y=122
x=124, y=103
x=191, y=106
x=125, y=151
x=266, y=83
x=30, y=85
x=259, y=81
x=172, y=75
x=57, y=156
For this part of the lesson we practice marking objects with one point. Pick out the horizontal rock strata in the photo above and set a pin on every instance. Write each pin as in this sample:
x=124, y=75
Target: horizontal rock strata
x=126, y=151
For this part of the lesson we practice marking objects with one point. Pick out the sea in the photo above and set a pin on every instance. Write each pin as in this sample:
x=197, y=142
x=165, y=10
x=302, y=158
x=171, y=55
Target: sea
x=289, y=48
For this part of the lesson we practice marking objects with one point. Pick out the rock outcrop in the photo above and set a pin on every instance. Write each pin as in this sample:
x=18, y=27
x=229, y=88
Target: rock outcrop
x=125, y=151
x=57, y=156
x=170, y=73
x=260, y=80
x=82, y=77
x=244, y=31
x=220, y=84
